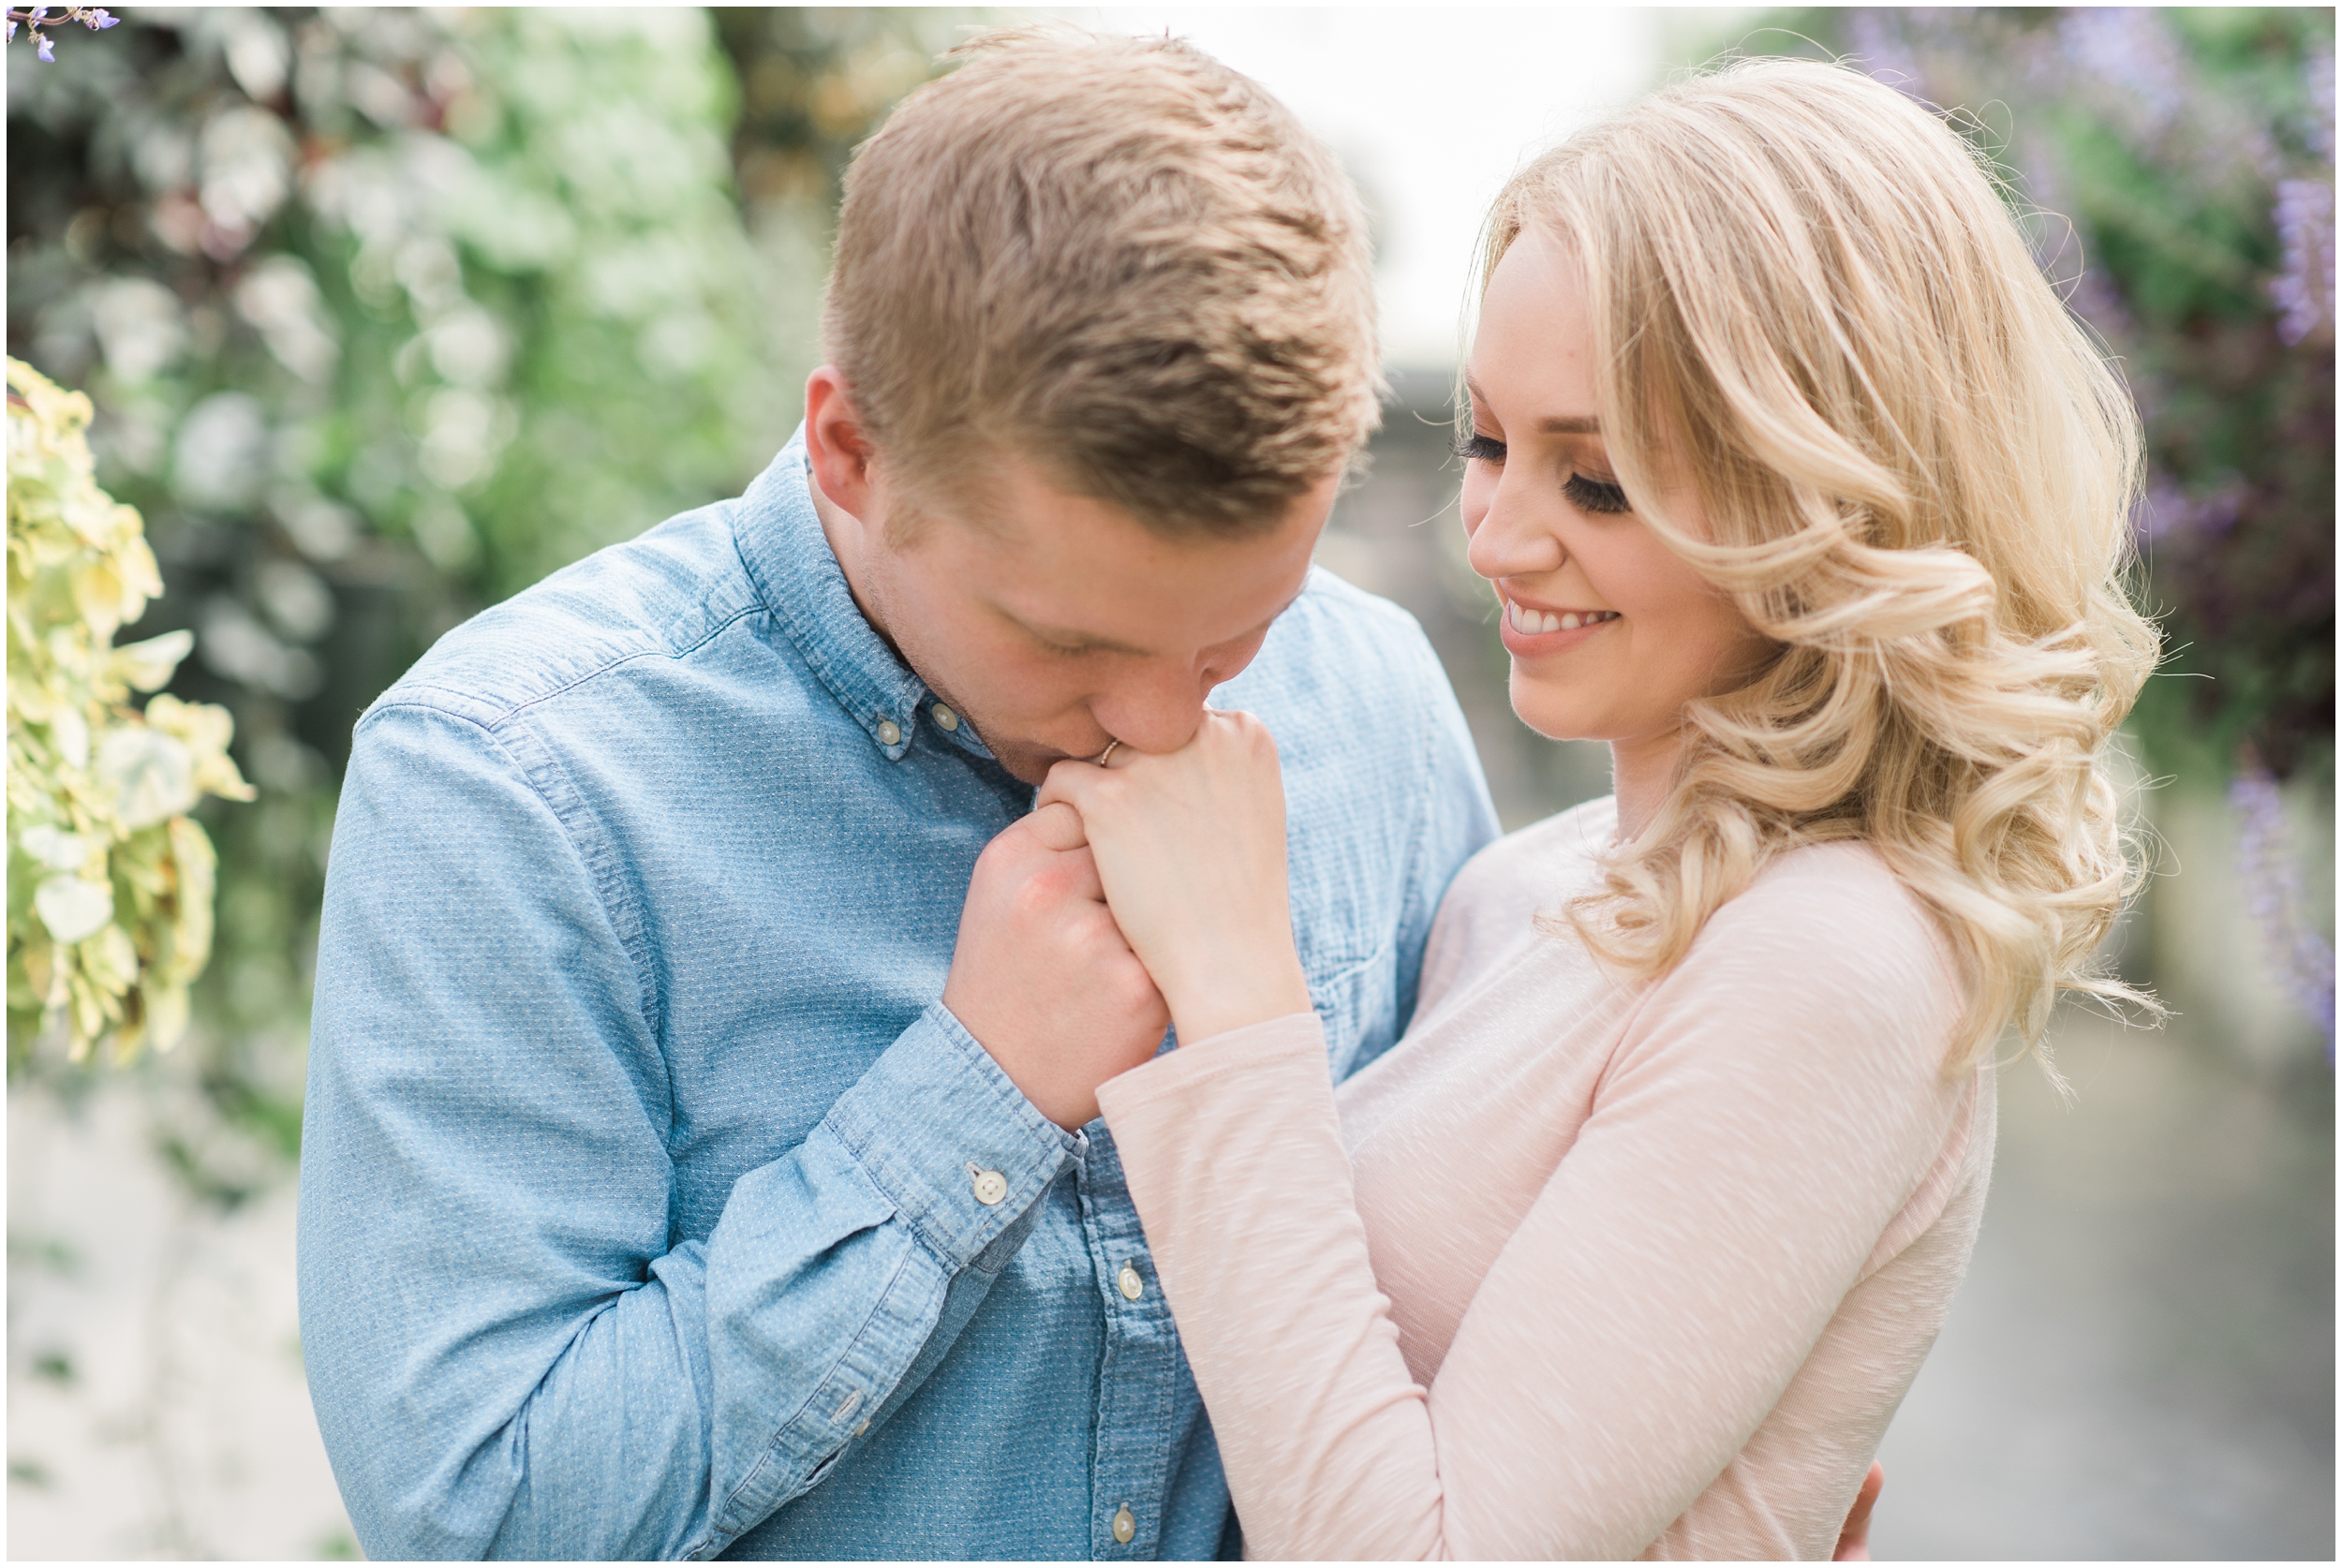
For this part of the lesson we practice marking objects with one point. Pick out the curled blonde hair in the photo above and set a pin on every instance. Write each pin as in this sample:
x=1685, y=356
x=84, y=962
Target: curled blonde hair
x=1811, y=307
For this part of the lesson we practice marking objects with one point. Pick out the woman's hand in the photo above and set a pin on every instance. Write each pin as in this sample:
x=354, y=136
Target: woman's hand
x=1191, y=850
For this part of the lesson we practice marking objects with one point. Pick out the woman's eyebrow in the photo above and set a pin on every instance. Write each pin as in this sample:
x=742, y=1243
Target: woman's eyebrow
x=1553, y=424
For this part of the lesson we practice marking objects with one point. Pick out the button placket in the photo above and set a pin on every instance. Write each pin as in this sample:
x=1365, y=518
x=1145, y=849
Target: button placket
x=1142, y=1380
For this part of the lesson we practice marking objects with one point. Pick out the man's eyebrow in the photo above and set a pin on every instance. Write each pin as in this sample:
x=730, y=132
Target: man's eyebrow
x=1558, y=424
x=1081, y=642
x=1084, y=641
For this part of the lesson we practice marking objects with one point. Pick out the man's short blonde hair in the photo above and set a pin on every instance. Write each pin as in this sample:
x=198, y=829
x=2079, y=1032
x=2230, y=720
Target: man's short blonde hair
x=1113, y=258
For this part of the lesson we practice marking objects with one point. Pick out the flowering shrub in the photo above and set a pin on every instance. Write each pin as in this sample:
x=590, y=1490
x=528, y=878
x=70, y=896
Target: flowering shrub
x=36, y=18
x=109, y=880
x=387, y=312
x=2272, y=878
x=2182, y=167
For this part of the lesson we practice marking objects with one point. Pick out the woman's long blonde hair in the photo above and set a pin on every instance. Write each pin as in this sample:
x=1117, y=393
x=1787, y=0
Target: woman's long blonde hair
x=1810, y=302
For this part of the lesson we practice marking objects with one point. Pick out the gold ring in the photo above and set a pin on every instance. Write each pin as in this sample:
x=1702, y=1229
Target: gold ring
x=1107, y=752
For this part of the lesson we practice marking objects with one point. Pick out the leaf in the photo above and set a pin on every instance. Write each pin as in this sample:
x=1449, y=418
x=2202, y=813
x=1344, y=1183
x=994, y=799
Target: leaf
x=69, y=731
x=73, y=909
x=97, y=595
x=148, y=666
x=151, y=775
x=166, y=1015
x=54, y=848
x=110, y=960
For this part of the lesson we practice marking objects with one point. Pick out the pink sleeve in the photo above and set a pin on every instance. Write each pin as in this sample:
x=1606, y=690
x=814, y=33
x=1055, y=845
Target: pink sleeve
x=1750, y=1138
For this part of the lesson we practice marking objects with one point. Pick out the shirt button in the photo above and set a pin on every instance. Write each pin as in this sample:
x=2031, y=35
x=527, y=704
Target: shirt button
x=1124, y=1526
x=888, y=732
x=945, y=717
x=990, y=1185
x=1133, y=1286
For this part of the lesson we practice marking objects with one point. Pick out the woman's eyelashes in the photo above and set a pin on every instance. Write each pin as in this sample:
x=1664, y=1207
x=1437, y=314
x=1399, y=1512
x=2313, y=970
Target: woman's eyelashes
x=1587, y=495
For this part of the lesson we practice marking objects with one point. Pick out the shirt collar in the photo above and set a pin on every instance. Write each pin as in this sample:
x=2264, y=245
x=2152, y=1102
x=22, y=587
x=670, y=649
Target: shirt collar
x=788, y=555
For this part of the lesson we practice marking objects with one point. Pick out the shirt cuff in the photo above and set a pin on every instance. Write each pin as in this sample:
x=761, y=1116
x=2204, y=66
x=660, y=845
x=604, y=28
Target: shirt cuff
x=954, y=1146
x=1270, y=1045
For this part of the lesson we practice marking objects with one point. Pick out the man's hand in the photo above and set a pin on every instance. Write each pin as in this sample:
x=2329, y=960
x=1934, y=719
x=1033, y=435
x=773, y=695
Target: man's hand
x=1854, y=1536
x=1042, y=976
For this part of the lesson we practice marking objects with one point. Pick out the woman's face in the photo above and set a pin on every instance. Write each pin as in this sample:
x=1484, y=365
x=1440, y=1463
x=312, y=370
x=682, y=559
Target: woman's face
x=1611, y=633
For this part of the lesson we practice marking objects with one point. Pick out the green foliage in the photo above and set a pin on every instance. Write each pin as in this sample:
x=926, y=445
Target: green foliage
x=386, y=314
x=110, y=882
x=814, y=81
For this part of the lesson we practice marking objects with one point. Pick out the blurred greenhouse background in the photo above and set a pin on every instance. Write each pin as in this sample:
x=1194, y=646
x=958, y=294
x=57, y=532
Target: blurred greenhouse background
x=387, y=313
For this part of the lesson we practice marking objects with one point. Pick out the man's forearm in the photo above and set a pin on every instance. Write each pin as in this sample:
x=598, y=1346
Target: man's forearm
x=524, y=1415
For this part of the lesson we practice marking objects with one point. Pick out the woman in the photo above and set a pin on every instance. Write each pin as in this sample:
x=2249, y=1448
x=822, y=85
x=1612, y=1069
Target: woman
x=1800, y=489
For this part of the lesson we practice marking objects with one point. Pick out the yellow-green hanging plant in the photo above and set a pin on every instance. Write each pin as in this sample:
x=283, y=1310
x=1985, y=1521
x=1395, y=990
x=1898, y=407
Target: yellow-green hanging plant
x=109, y=880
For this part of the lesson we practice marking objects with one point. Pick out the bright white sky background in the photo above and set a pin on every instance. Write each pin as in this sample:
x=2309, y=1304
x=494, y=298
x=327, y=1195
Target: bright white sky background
x=1433, y=108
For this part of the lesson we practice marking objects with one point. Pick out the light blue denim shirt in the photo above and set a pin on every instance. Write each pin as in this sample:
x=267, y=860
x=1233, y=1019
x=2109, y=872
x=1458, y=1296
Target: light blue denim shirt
x=640, y=1200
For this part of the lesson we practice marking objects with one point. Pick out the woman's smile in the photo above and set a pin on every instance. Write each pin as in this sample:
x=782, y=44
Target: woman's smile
x=1530, y=630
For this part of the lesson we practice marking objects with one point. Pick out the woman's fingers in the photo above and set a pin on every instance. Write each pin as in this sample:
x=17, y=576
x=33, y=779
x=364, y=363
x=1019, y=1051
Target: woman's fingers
x=1854, y=1537
x=1058, y=824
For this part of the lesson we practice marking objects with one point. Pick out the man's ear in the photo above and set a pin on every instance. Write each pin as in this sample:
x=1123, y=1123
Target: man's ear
x=838, y=445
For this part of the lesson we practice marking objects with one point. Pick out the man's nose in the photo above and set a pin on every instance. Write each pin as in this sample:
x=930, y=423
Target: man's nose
x=1157, y=708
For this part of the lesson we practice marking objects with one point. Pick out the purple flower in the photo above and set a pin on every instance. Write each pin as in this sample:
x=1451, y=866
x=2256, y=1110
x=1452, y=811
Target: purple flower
x=2304, y=287
x=1882, y=52
x=2272, y=894
x=2098, y=301
x=2320, y=70
x=35, y=18
x=2166, y=513
x=2160, y=511
x=2131, y=48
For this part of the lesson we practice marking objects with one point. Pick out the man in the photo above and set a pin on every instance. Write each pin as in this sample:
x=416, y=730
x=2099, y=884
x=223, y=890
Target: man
x=700, y=1156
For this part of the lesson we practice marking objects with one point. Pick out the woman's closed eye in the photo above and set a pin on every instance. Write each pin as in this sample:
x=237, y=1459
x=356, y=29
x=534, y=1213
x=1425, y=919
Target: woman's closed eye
x=1473, y=447
x=1604, y=496
x=1594, y=495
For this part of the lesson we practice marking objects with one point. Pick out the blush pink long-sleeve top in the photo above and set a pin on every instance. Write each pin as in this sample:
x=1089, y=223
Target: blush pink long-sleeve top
x=1582, y=1267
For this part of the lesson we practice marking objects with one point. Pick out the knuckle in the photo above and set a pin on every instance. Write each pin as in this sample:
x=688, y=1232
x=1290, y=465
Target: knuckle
x=1009, y=847
x=1034, y=898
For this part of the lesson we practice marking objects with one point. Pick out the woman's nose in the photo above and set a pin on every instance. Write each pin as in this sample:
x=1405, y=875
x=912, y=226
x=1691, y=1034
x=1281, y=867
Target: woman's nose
x=1511, y=541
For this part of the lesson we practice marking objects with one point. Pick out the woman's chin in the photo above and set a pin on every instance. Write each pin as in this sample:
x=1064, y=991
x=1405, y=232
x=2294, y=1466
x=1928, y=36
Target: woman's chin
x=1556, y=721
